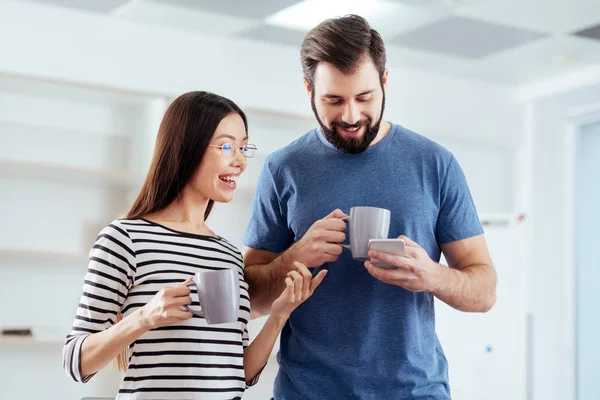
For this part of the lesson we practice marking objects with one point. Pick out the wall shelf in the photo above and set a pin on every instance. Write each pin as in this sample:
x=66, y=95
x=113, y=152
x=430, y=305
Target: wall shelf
x=38, y=335
x=73, y=91
x=501, y=219
x=36, y=255
x=14, y=127
x=67, y=174
x=10, y=339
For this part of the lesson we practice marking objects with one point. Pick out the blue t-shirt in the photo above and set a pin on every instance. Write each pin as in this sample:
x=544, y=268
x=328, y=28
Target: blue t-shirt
x=357, y=337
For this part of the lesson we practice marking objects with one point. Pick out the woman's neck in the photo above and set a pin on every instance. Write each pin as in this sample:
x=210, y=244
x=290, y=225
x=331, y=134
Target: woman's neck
x=185, y=214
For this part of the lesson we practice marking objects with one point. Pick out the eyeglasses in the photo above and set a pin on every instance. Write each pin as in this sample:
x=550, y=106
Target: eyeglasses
x=248, y=150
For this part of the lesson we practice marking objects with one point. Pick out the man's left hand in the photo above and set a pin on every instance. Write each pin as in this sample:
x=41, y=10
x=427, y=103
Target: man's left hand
x=414, y=271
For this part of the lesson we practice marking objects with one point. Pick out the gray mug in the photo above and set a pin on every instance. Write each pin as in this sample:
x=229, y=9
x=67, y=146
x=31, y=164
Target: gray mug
x=219, y=295
x=366, y=223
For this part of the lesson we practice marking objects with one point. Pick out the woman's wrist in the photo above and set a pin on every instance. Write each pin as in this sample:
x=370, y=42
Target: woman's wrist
x=278, y=318
x=141, y=321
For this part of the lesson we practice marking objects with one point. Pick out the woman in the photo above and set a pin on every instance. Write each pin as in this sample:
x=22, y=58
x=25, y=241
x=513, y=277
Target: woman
x=139, y=265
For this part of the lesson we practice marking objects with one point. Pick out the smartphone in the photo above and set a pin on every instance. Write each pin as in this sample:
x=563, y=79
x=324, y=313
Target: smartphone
x=392, y=246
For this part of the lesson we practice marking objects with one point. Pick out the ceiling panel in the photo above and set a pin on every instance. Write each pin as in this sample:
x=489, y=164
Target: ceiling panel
x=539, y=59
x=592, y=32
x=404, y=57
x=275, y=34
x=465, y=37
x=550, y=16
x=184, y=19
x=236, y=8
x=97, y=6
x=389, y=18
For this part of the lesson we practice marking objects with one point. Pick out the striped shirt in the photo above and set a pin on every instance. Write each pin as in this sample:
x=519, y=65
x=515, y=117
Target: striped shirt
x=129, y=263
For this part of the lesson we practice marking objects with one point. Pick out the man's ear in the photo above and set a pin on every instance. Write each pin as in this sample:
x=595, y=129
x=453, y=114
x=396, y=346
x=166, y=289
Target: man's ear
x=384, y=79
x=308, y=87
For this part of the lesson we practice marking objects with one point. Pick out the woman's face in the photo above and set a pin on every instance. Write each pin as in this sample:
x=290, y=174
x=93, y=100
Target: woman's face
x=216, y=177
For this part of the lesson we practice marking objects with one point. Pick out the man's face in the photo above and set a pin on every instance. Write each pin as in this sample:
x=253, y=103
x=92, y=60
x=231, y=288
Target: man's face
x=348, y=107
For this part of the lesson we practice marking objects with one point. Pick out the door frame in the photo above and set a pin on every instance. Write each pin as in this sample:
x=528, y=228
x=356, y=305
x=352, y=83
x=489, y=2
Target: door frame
x=576, y=118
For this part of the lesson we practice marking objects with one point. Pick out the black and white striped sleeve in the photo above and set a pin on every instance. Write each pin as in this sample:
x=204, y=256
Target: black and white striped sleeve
x=246, y=342
x=109, y=277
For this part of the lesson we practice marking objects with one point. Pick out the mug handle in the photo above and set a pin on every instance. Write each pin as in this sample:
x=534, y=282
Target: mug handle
x=197, y=313
x=346, y=219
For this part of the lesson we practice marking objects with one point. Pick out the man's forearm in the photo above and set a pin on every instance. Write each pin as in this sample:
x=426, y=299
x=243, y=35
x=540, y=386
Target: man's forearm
x=468, y=289
x=267, y=281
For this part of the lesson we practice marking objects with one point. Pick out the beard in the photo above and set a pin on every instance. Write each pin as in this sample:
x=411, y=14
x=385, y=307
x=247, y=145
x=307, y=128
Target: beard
x=351, y=145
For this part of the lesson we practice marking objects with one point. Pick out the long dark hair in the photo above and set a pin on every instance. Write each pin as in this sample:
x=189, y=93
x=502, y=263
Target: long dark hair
x=183, y=137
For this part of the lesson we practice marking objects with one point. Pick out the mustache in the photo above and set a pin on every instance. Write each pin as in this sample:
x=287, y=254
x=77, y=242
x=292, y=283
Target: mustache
x=345, y=125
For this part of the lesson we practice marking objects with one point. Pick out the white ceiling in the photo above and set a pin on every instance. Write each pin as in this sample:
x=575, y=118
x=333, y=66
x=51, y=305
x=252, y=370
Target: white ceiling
x=505, y=41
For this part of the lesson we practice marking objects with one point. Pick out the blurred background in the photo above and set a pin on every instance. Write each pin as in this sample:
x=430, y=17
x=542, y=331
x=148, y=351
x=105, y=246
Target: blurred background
x=511, y=87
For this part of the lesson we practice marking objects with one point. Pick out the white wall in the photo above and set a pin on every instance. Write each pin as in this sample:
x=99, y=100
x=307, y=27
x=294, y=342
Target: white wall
x=486, y=352
x=61, y=160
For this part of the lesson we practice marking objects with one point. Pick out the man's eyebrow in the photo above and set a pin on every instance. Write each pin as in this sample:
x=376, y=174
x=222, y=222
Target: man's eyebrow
x=334, y=96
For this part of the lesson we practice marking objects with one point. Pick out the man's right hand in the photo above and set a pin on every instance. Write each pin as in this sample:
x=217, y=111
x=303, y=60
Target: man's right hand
x=321, y=243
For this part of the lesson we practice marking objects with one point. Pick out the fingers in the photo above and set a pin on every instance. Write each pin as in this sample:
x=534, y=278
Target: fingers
x=179, y=290
x=406, y=260
x=182, y=301
x=181, y=314
x=289, y=289
x=333, y=249
x=335, y=225
x=306, y=277
x=384, y=275
x=332, y=236
x=309, y=283
x=316, y=281
x=408, y=242
x=298, y=283
x=396, y=261
x=411, y=252
x=337, y=213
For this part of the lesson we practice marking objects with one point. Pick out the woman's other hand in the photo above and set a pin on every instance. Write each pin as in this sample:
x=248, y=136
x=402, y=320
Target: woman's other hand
x=299, y=286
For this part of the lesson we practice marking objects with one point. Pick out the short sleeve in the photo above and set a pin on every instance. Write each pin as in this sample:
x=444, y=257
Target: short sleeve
x=267, y=228
x=457, y=218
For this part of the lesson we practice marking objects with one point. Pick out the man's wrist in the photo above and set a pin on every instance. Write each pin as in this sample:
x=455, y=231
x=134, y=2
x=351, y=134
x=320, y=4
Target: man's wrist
x=290, y=255
x=283, y=264
x=438, y=277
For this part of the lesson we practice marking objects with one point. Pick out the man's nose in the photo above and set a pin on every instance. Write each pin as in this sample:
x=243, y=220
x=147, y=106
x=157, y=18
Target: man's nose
x=351, y=114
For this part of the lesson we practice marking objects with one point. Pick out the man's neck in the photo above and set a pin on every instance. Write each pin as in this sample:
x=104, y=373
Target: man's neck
x=384, y=129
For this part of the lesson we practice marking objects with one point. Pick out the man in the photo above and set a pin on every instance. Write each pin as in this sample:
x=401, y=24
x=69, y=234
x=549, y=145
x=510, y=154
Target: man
x=367, y=333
